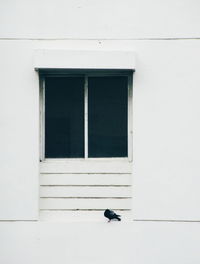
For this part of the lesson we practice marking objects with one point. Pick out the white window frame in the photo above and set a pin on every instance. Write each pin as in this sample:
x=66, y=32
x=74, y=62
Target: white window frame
x=86, y=74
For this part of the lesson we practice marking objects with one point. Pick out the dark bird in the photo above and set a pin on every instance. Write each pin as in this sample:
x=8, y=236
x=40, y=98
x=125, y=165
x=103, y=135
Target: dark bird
x=111, y=215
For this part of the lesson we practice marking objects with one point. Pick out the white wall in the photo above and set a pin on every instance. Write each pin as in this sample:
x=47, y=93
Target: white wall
x=166, y=130
x=89, y=243
x=165, y=122
x=19, y=111
x=93, y=19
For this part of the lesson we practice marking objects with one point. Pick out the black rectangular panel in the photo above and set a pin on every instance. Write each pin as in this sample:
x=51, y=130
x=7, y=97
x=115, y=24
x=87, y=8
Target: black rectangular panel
x=64, y=117
x=108, y=116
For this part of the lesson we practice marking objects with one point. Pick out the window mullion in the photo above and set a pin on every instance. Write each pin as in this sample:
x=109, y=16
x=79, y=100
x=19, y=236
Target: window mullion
x=86, y=116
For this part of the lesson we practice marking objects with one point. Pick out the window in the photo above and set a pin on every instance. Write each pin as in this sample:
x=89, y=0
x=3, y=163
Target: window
x=85, y=114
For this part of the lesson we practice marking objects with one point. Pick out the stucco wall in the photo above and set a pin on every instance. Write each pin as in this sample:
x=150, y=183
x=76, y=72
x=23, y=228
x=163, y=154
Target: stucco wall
x=166, y=142
x=87, y=19
x=83, y=243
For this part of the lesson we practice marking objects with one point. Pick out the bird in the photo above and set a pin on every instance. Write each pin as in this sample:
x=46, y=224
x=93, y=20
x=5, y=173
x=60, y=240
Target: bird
x=111, y=215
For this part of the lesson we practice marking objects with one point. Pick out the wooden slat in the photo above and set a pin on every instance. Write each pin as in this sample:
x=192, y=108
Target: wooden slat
x=81, y=216
x=84, y=191
x=60, y=203
x=89, y=166
x=85, y=179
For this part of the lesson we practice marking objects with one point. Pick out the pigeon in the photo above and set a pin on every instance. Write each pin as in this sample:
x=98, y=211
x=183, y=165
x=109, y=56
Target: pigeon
x=111, y=215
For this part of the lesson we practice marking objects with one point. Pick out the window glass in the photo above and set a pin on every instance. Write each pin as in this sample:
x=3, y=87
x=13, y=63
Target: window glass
x=64, y=117
x=108, y=116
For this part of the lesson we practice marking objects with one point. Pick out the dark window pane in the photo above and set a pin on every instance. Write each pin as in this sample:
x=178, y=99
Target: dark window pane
x=107, y=127
x=64, y=117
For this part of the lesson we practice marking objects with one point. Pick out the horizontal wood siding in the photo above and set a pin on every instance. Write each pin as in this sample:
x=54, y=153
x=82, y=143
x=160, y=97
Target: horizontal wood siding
x=85, y=179
x=64, y=194
x=85, y=191
x=80, y=215
x=91, y=203
x=92, y=166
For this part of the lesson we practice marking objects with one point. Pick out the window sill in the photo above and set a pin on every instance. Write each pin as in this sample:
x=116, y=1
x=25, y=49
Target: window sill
x=92, y=165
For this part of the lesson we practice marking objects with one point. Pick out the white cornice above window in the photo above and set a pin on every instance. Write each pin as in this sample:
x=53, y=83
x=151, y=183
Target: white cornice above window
x=83, y=59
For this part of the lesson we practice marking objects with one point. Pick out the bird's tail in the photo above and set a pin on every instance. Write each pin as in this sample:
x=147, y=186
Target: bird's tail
x=117, y=217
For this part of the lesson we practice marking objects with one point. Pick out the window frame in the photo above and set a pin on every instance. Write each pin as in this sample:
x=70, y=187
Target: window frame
x=43, y=73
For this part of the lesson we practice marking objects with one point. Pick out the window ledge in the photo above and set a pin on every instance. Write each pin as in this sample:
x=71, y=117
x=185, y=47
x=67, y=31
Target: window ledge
x=113, y=165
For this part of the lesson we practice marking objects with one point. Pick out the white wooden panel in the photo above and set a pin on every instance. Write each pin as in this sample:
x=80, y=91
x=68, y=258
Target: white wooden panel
x=77, y=216
x=83, y=191
x=59, y=203
x=89, y=166
x=79, y=59
x=85, y=179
